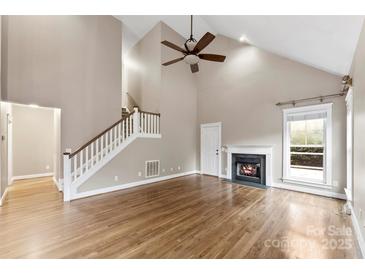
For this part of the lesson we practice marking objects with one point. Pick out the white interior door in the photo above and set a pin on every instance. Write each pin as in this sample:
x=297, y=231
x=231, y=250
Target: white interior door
x=210, y=149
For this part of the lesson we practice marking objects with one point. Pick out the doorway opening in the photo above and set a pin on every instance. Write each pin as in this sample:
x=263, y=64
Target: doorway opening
x=31, y=140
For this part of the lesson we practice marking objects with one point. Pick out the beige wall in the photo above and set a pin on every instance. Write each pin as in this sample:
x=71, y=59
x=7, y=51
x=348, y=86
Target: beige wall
x=358, y=72
x=170, y=91
x=33, y=140
x=242, y=92
x=67, y=62
x=144, y=71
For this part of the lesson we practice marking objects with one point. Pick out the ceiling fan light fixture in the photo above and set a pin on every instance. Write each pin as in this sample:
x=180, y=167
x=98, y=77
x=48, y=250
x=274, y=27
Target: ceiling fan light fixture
x=191, y=59
x=191, y=53
x=190, y=44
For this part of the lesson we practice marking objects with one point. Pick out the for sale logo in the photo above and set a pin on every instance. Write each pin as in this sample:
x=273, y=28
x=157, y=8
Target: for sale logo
x=331, y=237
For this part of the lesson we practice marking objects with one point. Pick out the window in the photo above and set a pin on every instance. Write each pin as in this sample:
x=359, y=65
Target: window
x=307, y=145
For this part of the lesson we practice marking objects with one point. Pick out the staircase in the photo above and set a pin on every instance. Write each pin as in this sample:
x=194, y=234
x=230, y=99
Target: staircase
x=80, y=165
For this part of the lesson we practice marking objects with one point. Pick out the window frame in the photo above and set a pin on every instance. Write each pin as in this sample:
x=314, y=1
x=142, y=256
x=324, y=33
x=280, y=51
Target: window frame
x=327, y=161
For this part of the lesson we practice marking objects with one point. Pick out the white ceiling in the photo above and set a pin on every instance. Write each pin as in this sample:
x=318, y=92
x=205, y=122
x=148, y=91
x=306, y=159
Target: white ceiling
x=324, y=42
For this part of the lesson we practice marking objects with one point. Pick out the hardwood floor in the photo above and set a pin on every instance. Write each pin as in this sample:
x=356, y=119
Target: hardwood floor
x=188, y=217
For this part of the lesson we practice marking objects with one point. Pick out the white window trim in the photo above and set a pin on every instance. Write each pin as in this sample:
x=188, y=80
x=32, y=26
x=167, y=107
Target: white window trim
x=327, y=183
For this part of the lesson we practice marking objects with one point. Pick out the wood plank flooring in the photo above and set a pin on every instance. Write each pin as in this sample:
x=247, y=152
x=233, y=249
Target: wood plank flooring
x=188, y=217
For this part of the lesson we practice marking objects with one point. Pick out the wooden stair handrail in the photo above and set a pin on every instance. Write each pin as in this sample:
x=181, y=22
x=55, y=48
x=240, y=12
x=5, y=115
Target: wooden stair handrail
x=147, y=112
x=99, y=135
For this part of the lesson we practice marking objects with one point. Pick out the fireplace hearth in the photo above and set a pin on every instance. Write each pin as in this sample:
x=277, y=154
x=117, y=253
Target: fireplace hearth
x=249, y=168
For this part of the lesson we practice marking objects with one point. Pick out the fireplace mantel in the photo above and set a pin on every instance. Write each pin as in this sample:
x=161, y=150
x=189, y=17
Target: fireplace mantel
x=251, y=149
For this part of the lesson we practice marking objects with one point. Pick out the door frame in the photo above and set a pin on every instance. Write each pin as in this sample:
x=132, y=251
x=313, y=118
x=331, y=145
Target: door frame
x=219, y=125
x=349, y=145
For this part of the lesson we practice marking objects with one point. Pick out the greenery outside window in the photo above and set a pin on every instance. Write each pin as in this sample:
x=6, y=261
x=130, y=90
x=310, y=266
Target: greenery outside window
x=307, y=144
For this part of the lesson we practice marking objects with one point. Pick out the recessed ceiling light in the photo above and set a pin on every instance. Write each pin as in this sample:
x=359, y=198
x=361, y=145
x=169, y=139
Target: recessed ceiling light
x=243, y=38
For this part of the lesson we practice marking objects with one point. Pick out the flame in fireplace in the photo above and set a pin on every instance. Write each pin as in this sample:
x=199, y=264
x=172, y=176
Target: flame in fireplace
x=248, y=170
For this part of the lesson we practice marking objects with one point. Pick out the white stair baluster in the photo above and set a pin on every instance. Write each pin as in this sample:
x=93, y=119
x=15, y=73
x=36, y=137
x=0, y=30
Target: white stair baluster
x=154, y=124
x=123, y=128
x=118, y=134
x=115, y=137
x=158, y=125
x=106, y=142
x=87, y=158
x=102, y=147
x=112, y=131
x=75, y=167
x=127, y=127
x=81, y=162
x=149, y=123
x=110, y=140
x=92, y=154
x=142, y=122
x=130, y=126
x=146, y=116
x=97, y=151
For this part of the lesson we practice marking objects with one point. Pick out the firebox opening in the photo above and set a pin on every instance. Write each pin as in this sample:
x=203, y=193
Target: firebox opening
x=249, y=168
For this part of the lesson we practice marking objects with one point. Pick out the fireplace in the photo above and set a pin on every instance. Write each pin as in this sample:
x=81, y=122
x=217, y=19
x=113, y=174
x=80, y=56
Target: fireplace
x=249, y=168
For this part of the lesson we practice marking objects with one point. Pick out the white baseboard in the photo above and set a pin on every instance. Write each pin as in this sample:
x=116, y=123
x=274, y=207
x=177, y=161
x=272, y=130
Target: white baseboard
x=3, y=197
x=58, y=183
x=358, y=231
x=31, y=176
x=129, y=185
x=320, y=192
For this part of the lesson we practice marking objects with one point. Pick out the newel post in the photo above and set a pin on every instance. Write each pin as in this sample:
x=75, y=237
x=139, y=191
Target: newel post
x=136, y=122
x=66, y=177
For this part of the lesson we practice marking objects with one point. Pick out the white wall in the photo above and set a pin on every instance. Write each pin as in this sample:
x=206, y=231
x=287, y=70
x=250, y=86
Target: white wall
x=33, y=140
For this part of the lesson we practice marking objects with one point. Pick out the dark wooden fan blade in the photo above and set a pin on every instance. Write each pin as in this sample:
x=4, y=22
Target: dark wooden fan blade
x=212, y=57
x=205, y=41
x=173, y=46
x=173, y=61
x=194, y=68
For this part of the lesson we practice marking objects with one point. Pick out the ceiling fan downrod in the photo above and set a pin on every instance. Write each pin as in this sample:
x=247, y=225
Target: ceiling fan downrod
x=191, y=39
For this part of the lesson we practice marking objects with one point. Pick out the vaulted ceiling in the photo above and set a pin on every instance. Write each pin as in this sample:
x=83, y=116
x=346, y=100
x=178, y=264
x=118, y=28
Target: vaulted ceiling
x=324, y=42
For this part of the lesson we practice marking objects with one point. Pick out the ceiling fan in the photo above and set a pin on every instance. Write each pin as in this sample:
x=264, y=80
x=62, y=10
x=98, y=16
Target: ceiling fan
x=192, y=50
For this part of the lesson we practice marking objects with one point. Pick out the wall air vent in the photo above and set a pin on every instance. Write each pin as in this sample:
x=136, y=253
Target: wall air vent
x=152, y=168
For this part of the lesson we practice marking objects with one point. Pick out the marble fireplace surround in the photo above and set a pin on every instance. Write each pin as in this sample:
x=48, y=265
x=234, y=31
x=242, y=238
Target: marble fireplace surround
x=254, y=149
